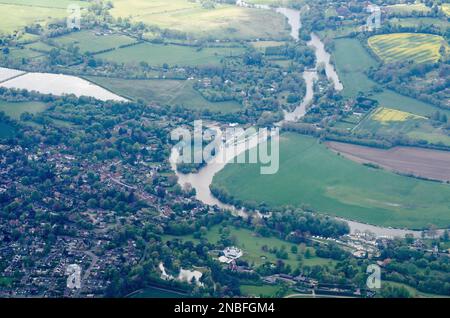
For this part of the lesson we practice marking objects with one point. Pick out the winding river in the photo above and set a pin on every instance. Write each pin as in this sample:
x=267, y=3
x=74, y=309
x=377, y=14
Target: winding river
x=202, y=180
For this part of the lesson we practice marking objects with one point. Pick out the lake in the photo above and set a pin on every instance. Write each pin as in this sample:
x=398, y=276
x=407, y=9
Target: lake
x=55, y=84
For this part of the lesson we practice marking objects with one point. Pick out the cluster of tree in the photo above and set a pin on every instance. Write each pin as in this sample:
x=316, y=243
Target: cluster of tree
x=426, y=82
x=420, y=269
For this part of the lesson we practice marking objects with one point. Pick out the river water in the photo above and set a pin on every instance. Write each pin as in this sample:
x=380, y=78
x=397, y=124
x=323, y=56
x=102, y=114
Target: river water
x=324, y=58
x=202, y=180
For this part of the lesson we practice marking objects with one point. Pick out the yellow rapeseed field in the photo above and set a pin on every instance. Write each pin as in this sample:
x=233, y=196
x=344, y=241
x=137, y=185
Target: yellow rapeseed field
x=384, y=114
x=399, y=47
x=446, y=8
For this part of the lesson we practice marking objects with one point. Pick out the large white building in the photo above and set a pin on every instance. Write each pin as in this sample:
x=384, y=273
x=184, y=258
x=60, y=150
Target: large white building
x=230, y=254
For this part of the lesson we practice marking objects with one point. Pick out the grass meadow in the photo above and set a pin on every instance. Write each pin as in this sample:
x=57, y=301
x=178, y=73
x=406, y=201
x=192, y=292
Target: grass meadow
x=15, y=109
x=164, y=92
x=158, y=54
x=223, y=21
x=408, y=8
x=313, y=176
x=89, y=41
x=352, y=60
x=16, y=14
x=389, y=122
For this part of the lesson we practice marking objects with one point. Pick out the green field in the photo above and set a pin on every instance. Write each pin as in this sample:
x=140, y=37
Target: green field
x=310, y=174
x=408, y=8
x=263, y=45
x=173, y=55
x=413, y=126
x=16, y=14
x=221, y=22
x=90, y=41
x=352, y=60
x=398, y=47
x=14, y=110
x=414, y=22
x=17, y=54
x=259, y=291
x=39, y=46
x=407, y=104
x=340, y=31
x=164, y=92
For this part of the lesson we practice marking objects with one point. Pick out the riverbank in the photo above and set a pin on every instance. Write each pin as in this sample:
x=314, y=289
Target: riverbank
x=201, y=181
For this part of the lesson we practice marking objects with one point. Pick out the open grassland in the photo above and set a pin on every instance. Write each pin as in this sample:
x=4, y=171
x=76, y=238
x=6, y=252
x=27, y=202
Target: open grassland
x=398, y=47
x=263, y=45
x=222, y=21
x=158, y=54
x=15, y=109
x=16, y=14
x=340, y=31
x=89, y=41
x=408, y=8
x=312, y=175
x=389, y=122
x=414, y=22
x=259, y=290
x=164, y=92
x=17, y=54
x=407, y=104
x=39, y=46
x=384, y=115
x=352, y=61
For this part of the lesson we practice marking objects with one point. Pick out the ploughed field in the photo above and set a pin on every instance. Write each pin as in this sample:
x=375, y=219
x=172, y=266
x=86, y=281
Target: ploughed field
x=311, y=175
x=431, y=164
x=398, y=47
